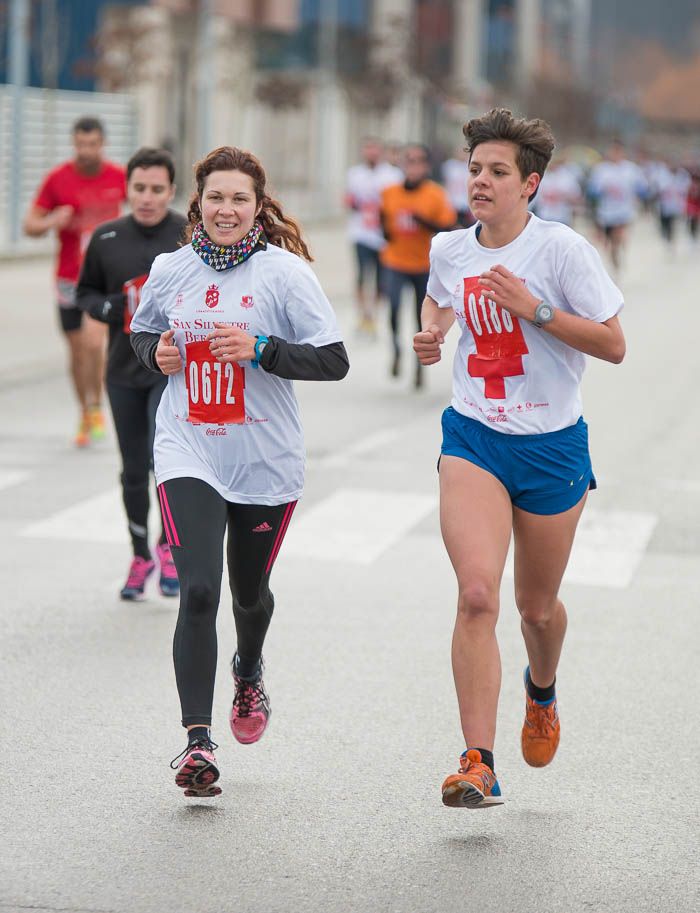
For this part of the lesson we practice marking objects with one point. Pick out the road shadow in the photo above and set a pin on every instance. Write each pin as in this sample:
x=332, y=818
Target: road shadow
x=475, y=844
x=198, y=810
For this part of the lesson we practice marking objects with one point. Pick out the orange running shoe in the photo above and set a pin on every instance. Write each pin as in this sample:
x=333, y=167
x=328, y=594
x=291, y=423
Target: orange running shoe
x=540, y=736
x=475, y=786
x=82, y=438
x=96, y=423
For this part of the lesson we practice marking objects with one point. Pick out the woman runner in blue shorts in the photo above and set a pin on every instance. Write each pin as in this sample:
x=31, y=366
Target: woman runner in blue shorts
x=532, y=299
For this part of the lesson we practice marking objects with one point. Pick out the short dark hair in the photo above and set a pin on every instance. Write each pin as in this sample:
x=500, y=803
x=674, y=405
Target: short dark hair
x=148, y=157
x=88, y=125
x=534, y=138
x=421, y=146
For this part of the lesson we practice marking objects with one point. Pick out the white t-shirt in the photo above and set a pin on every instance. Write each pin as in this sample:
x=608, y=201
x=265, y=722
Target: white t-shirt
x=617, y=186
x=455, y=174
x=509, y=374
x=235, y=427
x=671, y=188
x=557, y=195
x=364, y=188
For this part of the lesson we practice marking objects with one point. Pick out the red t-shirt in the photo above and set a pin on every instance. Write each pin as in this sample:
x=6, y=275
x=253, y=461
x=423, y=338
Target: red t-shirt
x=693, y=201
x=95, y=198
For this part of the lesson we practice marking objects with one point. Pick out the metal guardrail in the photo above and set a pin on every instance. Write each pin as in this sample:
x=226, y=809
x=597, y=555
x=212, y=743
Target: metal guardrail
x=47, y=119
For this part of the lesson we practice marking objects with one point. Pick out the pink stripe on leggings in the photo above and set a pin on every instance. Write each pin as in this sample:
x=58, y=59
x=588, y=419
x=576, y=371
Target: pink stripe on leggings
x=170, y=530
x=280, y=535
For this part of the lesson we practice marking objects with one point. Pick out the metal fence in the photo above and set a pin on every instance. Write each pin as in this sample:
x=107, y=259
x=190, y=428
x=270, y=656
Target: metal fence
x=47, y=119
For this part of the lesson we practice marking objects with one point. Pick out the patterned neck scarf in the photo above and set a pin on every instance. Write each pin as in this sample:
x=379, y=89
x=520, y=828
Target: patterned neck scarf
x=220, y=258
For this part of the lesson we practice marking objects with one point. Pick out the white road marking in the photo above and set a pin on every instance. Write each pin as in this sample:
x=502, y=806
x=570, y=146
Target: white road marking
x=360, y=448
x=355, y=525
x=608, y=549
x=692, y=485
x=10, y=477
x=97, y=519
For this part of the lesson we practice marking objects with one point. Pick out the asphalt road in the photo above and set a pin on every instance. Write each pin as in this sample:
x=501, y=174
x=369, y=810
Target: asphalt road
x=338, y=807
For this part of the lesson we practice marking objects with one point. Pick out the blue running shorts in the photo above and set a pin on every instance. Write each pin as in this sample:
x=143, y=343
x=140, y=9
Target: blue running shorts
x=543, y=473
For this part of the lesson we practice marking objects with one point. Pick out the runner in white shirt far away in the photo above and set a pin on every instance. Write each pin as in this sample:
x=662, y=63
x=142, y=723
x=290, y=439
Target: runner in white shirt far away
x=616, y=186
x=455, y=172
x=670, y=186
x=531, y=299
x=232, y=318
x=558, y=195
x=364, y=185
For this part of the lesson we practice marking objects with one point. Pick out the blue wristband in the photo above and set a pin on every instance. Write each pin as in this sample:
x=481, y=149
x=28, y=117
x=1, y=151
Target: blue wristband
x=259, y=342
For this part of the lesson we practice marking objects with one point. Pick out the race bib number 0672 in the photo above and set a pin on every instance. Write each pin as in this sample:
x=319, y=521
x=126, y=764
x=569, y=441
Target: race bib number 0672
x=215, y=390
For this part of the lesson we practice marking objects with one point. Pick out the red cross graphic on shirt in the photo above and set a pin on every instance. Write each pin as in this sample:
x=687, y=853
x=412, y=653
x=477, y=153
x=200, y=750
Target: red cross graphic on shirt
x=499, y=340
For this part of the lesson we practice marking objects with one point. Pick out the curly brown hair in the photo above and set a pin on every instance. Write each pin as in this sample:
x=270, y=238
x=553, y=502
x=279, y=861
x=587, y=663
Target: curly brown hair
x=279, y=229
x=534, y=138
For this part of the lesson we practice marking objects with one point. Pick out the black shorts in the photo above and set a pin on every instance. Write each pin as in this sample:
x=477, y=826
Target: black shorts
x=609, y=229
x=70, y=316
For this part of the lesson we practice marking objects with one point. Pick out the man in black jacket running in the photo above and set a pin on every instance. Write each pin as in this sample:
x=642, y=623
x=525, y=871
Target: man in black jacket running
x=116, y=265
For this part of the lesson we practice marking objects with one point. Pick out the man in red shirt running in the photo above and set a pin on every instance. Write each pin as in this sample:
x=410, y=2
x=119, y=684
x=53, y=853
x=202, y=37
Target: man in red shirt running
x=73, y=200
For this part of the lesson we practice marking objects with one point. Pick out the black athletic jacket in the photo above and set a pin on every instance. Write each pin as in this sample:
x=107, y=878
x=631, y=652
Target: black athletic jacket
x=119, y=251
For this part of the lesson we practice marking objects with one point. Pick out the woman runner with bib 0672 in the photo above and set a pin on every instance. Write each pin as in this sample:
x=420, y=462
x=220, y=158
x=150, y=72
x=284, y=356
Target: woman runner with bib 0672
x=232, y=318
x=532, y=299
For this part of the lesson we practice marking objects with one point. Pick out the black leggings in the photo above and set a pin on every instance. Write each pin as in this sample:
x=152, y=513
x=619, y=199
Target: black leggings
x=395, y=281
x=196, y=518
x=134, y=412
x=667, y=224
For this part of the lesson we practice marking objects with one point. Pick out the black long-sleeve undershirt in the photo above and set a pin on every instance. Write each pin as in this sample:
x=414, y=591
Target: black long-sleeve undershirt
x=295, y=361
x=145, y=345
x=292, y=361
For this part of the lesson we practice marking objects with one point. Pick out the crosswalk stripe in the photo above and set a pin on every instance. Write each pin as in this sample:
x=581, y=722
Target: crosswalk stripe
x=97, y=519
x=10, y=477
x=380, y=439
x=355, y=525
x=608, y=549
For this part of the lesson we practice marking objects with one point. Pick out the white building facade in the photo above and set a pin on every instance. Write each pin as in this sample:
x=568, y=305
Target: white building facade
x=301, y=83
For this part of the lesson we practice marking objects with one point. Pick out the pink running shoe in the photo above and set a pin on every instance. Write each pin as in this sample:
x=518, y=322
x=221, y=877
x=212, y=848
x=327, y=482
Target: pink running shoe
x=168, y=585
x=139, y=572
x=250, y=711
x=196, y=769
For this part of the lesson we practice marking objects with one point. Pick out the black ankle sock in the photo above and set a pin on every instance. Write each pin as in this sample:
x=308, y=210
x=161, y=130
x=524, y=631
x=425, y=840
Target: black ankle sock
x=541, y=695
x=197, y=733
x=245, y=667
x=486, y=757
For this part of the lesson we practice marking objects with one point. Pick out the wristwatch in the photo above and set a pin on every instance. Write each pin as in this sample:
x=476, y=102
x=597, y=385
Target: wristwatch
x=544, y=313
x=260, y=343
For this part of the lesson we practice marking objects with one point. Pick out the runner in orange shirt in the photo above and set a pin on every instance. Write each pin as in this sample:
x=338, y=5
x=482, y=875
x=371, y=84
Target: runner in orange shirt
x=411, y=213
